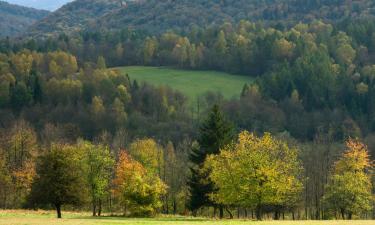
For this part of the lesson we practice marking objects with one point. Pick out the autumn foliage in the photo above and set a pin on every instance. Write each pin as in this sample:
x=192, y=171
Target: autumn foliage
x=138, y=190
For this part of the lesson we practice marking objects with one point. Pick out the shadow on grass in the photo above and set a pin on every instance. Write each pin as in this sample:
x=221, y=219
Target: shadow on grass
x=153, y=219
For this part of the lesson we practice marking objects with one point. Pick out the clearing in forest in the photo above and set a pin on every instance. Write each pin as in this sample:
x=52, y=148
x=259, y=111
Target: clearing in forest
x=191, y=83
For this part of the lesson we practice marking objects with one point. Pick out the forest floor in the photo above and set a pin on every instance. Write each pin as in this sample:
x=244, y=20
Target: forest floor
x=19, y=217
x=191, y=83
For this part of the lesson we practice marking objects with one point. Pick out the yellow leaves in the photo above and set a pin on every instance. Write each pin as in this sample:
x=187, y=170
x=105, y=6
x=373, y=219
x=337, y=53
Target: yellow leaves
x=97, y=106
x=23, y=144
x=61, y=64
x=148, y=153
x=24, y=177
x=283, y=48
x=127, y=170
x=355, y=159
x=63, y=90
x=362, y=88
x=349, y=189
x=54, y=69
x=137, y=189
x=253, y=167
x=123, y=94
x=149, y=50
x=119, y=111
x=22, y=63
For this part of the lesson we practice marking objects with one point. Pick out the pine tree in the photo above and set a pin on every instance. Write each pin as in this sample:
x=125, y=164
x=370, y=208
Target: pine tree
x=215, y=133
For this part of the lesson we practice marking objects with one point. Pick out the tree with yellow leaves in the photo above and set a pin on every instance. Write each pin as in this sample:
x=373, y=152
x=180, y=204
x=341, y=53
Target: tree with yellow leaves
x=149, y=154
x=138, y=190
x=349, y=190
x=256, y=172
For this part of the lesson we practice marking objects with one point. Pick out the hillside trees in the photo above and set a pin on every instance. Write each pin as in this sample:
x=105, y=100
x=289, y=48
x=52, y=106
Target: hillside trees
x=18, y=150
x=314, y=85
x=5, y=182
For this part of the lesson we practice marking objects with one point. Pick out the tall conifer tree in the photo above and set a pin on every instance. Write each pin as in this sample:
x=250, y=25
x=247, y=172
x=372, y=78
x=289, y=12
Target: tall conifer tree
x=215, y=133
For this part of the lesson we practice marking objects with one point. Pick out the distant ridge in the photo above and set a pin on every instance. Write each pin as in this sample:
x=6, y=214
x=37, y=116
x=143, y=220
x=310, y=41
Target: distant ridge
x=156, y=16
x=73, y=17
x=15, y=19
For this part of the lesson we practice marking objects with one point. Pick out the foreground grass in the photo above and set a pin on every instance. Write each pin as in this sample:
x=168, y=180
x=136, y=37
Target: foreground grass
x=190, y=83
x=48, y=217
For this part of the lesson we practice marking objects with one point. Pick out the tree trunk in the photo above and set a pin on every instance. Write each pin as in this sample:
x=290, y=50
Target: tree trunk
x=276, y=215
x=342, y=214
x=166, y=210
x=258, y=212
x=100, y=208
x=174, y=207
x=58, y=210
x=221, y=212
x=230, y=213
x=93, y=208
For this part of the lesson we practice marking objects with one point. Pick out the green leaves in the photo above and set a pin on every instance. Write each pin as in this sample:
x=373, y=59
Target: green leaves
x=255, y=172
x=349, y=191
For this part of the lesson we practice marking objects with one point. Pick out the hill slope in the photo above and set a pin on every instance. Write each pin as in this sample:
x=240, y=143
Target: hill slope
x=73, y=17
x=157, y=16
x=160, y=15
x=16, y=19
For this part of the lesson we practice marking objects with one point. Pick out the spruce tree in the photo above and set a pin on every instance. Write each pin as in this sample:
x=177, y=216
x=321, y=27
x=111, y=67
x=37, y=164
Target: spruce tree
x=215, y=133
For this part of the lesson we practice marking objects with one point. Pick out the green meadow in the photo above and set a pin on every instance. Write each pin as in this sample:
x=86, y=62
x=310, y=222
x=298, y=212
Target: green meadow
x=19, y=217
x=192, y=83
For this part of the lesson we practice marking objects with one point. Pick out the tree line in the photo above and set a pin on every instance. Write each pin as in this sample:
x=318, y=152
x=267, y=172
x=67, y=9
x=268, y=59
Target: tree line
x=326, y=68
x=222, y=170
x=58, y=100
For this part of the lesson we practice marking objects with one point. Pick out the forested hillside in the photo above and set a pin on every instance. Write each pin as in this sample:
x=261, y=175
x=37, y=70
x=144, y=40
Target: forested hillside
x=157, y=16
x=73, y=17
x=298, y=141
x=15, y=19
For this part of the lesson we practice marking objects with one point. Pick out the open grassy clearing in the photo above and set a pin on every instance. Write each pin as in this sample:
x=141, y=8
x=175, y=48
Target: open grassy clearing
x=190, y=83
x=48, y=217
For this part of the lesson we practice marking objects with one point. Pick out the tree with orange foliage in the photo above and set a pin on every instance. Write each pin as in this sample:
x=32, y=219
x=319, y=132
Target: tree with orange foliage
x=349, y=190
x=139, y=190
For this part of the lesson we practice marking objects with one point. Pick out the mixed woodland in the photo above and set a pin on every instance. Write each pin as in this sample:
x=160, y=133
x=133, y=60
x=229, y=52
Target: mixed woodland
x=297, y=143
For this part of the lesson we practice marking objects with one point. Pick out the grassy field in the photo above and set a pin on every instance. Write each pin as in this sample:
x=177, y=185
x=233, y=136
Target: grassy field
x=48, y=218
x=190, y=83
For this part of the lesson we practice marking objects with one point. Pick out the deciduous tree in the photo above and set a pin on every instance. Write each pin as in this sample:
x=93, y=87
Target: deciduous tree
x=59, y=179
x=139, y=191
x=255, y=172
x=349, y=191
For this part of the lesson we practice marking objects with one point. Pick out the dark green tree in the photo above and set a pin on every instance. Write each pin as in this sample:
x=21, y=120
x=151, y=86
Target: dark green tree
x=59, y=179
x=20, y=96
x=215, y=133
